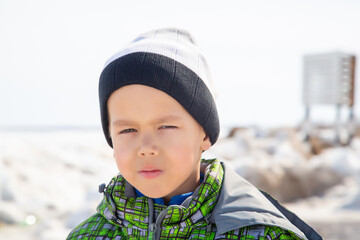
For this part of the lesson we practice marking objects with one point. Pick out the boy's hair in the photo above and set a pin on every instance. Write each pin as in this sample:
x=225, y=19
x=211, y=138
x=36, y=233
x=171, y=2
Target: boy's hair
x=170, y=61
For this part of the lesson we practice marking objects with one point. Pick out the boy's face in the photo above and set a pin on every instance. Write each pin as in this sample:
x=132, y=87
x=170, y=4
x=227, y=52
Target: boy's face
x=157, y=143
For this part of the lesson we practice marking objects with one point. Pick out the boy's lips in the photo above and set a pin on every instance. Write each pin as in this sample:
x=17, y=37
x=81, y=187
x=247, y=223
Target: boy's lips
x=150, y=173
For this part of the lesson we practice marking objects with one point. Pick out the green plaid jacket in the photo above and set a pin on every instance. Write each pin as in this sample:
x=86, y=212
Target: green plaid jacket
x=121, y=215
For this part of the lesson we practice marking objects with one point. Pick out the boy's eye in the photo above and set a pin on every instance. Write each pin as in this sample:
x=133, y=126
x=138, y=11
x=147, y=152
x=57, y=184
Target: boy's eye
x=128, y=130
x=167, y=127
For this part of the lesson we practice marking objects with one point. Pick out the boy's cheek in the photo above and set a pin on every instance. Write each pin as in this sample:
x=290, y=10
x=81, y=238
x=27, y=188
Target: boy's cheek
x=122, y=154
x=120, y=151
x=123, y=142
x=122, y=161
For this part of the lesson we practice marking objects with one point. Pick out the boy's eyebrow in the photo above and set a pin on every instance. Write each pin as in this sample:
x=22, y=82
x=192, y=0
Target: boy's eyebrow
x=156, y=121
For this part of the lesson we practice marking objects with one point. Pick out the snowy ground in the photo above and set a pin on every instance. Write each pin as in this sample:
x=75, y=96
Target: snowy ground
x=49, y=179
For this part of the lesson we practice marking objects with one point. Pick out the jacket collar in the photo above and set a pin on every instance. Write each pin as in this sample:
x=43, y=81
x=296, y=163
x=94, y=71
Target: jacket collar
x=120, y=204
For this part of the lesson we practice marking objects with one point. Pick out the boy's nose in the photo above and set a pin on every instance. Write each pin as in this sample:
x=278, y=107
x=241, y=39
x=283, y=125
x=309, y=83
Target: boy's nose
x=147, y=148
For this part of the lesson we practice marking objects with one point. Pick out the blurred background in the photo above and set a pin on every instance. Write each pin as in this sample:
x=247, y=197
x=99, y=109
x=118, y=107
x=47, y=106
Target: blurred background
x=53, y=154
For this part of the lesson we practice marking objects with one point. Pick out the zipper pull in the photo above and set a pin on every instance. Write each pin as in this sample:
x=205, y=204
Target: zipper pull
x=152, y=229
x=208, y=229
x=208, y=225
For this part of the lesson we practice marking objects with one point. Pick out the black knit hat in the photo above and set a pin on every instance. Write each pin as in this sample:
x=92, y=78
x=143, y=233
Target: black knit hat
x=170, y=61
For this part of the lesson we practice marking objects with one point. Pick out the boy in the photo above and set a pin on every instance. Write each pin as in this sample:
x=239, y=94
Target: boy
x=158, y=114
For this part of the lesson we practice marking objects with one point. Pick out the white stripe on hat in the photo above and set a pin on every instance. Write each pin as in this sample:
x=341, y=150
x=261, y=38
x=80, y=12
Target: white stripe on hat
x=173, y=43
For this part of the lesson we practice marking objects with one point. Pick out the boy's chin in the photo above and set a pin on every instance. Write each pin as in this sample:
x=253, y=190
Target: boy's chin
x=154, y=195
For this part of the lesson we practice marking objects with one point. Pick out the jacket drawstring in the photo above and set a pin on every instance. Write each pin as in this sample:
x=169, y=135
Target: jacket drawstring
x=102, y=189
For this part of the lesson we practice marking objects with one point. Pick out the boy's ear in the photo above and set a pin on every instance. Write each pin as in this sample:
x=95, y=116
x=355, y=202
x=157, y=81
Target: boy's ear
x=205, y=144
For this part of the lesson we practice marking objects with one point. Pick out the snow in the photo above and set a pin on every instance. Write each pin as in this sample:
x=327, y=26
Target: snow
x=49, y=179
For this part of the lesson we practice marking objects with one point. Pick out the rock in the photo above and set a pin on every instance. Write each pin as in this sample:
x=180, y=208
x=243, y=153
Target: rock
x=354, y=204
x=6, y=191
x=6, y=218
x=10, y=214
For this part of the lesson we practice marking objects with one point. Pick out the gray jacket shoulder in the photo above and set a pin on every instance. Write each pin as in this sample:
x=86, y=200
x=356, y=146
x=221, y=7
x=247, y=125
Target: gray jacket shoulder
x=241, y=204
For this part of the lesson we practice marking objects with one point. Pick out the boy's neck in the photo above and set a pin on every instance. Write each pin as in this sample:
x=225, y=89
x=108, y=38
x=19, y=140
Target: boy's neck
x=177, y=198
x=189, y=185
x=168, y=198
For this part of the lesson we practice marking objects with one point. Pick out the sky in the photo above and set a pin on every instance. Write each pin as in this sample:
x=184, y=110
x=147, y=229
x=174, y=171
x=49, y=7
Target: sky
x=52, y=53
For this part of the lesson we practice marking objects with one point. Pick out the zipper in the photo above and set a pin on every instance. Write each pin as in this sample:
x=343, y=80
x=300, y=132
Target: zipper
x=154, y=230
x=152, y=225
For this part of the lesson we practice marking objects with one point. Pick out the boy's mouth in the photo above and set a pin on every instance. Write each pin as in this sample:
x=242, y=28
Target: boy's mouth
x=150, y=173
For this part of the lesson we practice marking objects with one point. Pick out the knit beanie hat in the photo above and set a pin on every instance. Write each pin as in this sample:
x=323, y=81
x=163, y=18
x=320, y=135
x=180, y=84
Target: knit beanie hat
x=170, y=61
